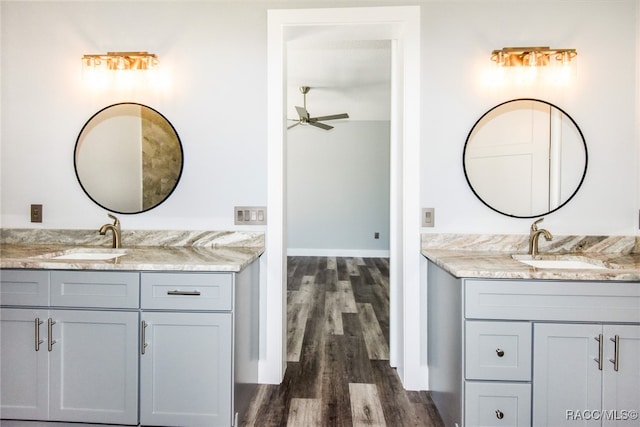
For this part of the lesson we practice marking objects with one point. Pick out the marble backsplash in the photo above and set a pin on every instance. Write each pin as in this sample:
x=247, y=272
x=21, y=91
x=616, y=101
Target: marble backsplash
x=133, y=238
x=520, y=243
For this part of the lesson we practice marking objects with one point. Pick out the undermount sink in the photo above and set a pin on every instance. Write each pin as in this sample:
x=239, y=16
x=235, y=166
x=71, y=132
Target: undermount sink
x=86, y=254
x=572, y=262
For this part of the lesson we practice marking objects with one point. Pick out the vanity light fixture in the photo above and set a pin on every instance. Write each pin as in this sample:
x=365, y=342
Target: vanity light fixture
x=121, y=61
x=536, y=56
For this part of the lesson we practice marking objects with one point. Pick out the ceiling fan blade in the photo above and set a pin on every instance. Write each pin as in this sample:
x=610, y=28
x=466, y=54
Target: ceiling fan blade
x=332, y=117
x=293, y=125
x=302, y=112
x=321, y=125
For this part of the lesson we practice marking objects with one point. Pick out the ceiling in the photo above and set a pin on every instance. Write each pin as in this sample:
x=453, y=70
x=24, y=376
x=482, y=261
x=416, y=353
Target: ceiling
x=345, y=76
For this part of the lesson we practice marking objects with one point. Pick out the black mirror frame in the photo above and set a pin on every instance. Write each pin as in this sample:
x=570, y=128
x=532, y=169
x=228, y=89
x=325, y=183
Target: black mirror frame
x=75, y=166
x=584, y=173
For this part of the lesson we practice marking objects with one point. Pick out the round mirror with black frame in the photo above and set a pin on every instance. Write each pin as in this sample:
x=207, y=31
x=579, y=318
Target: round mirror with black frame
x=128, y=158
x=525, y=158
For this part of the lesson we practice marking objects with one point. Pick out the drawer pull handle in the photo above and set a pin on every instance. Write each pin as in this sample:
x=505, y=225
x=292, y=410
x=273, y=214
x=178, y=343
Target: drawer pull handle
x=38, y=322
x=600, y=351
x=143, y=338
x=499, y=352
x=499, y=414
x=177, y=292
x=616, y=352
x=50, y=339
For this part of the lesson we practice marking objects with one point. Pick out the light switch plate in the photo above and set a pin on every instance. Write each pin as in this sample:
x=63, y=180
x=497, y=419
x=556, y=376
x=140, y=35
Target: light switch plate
x=428, y=217
x=250, y=215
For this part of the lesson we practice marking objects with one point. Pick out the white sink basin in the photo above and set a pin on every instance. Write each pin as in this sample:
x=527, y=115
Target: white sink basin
x=570, y=262
x=87, y=254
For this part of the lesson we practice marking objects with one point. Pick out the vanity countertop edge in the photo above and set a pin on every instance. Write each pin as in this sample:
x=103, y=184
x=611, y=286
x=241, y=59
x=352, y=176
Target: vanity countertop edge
x=177, y=251
x=490, y=257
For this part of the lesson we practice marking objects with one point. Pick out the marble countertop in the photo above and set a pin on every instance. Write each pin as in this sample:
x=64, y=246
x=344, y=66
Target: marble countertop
x=491, y=257
x=167, y=258
x=166, y=251
x=501, y=265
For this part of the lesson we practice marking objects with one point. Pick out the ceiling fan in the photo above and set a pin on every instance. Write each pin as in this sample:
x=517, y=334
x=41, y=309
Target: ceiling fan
x=306, y=119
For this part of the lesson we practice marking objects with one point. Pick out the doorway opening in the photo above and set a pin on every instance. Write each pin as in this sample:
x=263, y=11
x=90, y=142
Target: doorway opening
x=400, y=25
x=337, y=170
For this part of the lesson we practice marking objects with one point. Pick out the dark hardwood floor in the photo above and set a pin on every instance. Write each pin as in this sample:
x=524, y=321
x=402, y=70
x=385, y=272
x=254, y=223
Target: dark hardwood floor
x=338, y=371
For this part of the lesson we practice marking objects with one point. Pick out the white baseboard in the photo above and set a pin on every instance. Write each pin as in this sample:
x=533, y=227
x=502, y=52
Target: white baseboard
x=347, y=253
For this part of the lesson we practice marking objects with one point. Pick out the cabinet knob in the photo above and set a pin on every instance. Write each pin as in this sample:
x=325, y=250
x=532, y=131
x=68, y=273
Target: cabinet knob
x=499, y=352
x=499, y=414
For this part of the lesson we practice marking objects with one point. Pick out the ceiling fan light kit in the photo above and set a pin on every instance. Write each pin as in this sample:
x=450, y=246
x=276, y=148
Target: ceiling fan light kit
x=304, y=118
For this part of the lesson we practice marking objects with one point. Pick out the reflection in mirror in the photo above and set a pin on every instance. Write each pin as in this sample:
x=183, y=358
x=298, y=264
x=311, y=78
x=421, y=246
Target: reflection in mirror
x=128, y=158
x=525, y=158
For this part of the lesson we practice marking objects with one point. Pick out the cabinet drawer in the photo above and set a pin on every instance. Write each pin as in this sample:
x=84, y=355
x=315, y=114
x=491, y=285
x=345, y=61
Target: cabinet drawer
x=105, y=289
x=552, y=300
x=497, y=404
x=187, y=291
x=498, y=350
x=24, y=287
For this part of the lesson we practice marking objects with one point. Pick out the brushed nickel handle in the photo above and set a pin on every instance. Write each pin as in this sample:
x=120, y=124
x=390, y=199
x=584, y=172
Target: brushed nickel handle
x=600, y=350
x=143, y=339
x=38, y=322
x=499, y=414
x=50, y=340
x=178, y=292
x=499, y=352
x=616, y=352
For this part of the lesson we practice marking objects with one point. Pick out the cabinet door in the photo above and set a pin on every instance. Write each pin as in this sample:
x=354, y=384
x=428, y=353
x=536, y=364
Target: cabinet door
x=621, y=376
x=94, y=366
x=186, y=369
x=566, y=376
x=24, y=389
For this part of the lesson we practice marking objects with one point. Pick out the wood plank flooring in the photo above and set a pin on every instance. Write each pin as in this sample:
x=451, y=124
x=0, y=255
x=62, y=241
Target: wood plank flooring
x=338, y=371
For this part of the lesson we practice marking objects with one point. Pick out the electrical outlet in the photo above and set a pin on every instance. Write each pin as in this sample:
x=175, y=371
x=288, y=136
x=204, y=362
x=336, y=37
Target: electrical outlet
x=376, y=235
x=428, y=217
x=250, y=215
x=36, y=213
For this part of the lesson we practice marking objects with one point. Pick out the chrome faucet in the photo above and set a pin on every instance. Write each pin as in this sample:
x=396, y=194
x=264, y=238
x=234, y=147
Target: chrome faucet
x=534, y=236
x=115, y=230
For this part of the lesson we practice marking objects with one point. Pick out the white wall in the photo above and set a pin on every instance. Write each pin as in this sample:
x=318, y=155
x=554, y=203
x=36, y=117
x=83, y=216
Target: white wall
x=601, y=101
x=215, y=57
x=338, y=189
x=214, y=53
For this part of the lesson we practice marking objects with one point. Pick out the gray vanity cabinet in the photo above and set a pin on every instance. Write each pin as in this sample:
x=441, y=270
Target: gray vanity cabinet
x=186, y=349
x=518, y=352
x=128, y=348
x=69, y=362
x=198, y=347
